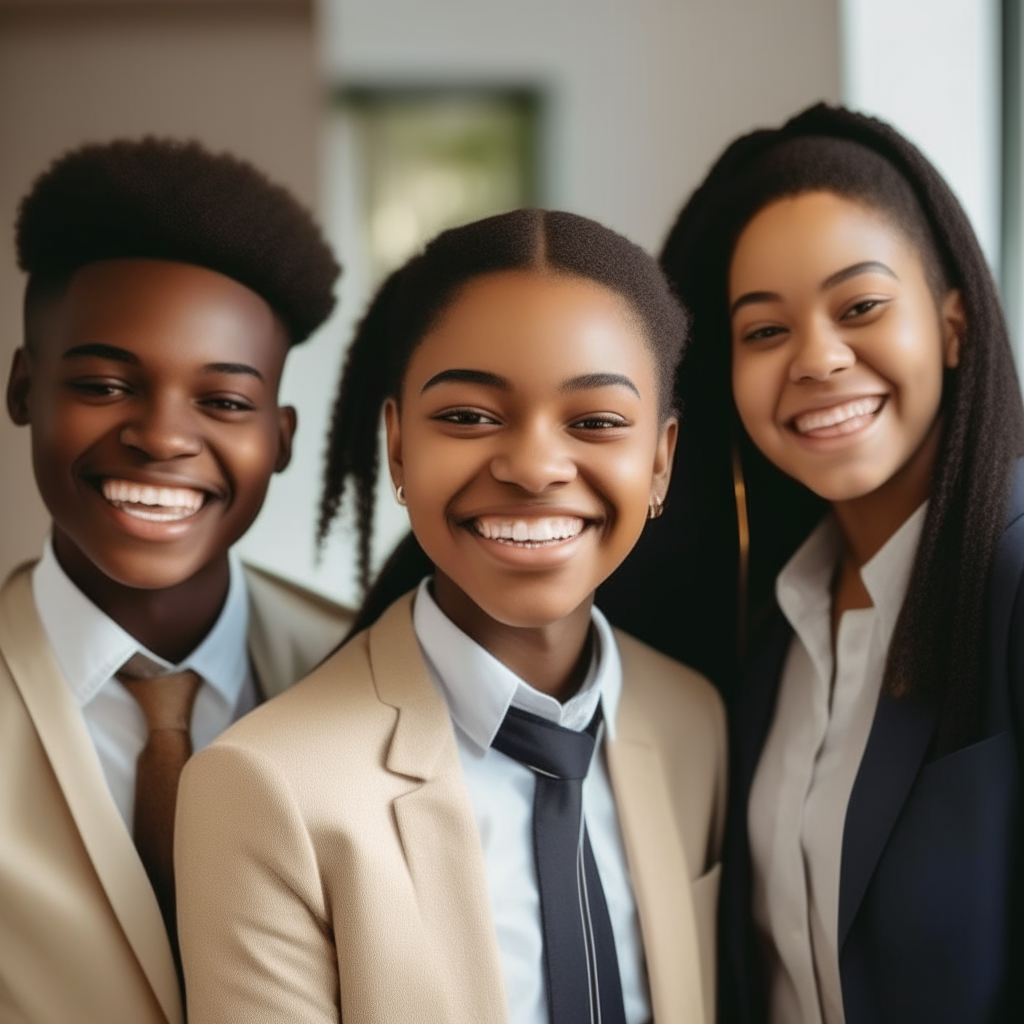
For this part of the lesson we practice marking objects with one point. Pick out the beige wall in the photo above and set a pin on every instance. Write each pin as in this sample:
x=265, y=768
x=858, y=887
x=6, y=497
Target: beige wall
x=238, y=76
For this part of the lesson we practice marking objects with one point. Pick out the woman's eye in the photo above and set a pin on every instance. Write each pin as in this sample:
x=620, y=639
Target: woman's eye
x=600, y=423
x=763, y=333
x=466, y=418
x=862, y=308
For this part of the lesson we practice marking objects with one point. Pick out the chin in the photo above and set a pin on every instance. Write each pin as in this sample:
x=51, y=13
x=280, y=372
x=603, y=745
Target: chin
x=527, y=613
x=846, y=484
x=142, y=573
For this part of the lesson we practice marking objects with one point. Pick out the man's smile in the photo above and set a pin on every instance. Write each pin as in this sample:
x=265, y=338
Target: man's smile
x=155, y=504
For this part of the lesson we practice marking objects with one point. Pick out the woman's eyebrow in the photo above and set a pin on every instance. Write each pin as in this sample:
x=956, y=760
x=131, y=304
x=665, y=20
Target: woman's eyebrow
x=751, y=298
x=866, y=267
x=488, y=380
x=598, y=380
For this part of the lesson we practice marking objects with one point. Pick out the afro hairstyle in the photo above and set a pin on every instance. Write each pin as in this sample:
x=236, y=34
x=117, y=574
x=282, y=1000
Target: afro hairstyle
x=171, y=200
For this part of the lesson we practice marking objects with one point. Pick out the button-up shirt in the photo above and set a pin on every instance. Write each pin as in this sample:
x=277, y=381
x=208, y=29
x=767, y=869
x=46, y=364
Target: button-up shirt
x=802, y=786
x=478, y=690
x=90, y=648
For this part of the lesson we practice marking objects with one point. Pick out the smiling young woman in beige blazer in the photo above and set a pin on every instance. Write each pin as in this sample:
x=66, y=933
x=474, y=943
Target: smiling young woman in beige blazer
x=336, y=850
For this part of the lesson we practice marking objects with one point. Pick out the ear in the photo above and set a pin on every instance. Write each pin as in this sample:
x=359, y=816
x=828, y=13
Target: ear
x=663, y=456
x=393, y=428
x=954, y=327
x=287, y=422
x=18, y=386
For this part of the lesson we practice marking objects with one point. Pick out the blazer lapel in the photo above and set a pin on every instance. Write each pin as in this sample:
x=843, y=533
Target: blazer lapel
x=899, y=739
x=435, y=819
x=70, y=751
x=659, y=870
x=903, y=729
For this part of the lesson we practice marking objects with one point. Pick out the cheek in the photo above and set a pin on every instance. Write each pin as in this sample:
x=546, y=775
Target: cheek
x=248, y=458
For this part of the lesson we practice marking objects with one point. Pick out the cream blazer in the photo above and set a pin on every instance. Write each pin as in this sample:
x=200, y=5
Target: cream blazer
x=329, y=865
x=81, y=937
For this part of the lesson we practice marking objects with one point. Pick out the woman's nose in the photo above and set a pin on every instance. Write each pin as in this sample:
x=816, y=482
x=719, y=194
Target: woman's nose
x=821, y=352
x=534, y=459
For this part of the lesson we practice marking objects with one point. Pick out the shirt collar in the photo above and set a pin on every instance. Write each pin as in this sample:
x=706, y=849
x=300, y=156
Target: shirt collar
x=479, y=689
x=90, y=647
x=804, y=586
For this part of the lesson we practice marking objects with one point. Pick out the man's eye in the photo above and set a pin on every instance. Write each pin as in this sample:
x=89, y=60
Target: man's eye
x=228, y=405
x=97, y=388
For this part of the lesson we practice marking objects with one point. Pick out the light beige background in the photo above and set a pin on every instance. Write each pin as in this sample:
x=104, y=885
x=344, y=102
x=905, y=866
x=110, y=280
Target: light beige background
x=238, y=76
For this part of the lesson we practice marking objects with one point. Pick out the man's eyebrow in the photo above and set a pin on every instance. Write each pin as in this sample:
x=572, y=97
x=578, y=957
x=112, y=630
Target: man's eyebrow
x=751, y=298
x=233, y=368
x=488, y=380
x=598, y=380
x=857, y=268
x=101, y=351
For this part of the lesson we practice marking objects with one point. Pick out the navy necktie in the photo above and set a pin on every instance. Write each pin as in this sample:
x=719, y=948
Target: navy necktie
x=581, y=966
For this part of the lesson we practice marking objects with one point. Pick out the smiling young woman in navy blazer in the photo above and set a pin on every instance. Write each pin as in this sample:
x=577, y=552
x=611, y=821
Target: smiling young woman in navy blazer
x=848, y=512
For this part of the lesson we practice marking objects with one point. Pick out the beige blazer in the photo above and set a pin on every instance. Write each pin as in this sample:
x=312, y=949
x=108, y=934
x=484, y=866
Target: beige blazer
x=81, y=937
x=329, y=865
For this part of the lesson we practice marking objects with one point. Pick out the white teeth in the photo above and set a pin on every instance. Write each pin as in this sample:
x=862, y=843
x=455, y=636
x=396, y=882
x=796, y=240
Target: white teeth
x=529, y=531
x=156, y=504
x=821, y=419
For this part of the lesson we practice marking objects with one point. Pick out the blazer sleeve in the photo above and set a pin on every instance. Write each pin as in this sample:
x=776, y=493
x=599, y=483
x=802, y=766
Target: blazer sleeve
x=256, y=942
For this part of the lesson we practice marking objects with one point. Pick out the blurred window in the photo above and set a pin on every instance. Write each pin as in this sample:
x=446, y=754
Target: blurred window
x=434, y=159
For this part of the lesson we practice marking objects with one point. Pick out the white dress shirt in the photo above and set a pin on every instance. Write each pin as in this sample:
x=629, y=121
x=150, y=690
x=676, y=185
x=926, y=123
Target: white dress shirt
x=802, y=786
x=478, y=690
x=90, y=647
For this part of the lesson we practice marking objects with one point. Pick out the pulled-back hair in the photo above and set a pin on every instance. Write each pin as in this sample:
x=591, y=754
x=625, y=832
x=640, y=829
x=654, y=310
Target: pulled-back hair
x=938, y=648
x=412, y=300
x=169, y=200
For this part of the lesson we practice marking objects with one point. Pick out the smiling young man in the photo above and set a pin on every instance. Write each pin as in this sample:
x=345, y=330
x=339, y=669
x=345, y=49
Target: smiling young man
x=165, y=288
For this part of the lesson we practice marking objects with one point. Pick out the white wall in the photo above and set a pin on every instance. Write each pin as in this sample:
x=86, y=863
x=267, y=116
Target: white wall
x=932, y=69
x=642, y=96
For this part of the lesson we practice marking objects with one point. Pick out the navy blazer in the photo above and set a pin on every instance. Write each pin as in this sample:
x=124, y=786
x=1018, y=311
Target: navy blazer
x=932, y=864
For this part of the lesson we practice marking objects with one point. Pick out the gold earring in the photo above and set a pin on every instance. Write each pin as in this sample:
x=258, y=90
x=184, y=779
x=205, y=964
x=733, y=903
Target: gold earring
x=400, y=495
x=655, y=508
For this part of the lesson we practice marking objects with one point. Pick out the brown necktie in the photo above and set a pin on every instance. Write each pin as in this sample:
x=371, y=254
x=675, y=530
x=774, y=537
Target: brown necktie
x=166, y=701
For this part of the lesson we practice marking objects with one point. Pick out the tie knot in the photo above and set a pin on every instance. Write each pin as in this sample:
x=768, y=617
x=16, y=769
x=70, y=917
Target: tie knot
x=166, y=701
x=545, y=747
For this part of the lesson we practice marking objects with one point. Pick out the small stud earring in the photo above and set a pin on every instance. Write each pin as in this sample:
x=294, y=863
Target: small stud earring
x=400, y=495
x=655, y=508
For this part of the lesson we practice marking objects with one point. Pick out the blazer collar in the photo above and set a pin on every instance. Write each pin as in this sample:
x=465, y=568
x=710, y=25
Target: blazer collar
x=435, y=820
x=68, y=747
x=657, y=860
x=403, y=682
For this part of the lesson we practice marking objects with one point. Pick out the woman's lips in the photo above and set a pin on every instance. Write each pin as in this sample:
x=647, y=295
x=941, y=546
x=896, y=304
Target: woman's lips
x=154, y=504
x=840, y=419
x=529, y=532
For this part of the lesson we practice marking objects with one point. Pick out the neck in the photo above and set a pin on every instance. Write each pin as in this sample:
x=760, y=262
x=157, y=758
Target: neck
x=552, y=658
x=869, y=521
x=170, y=622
